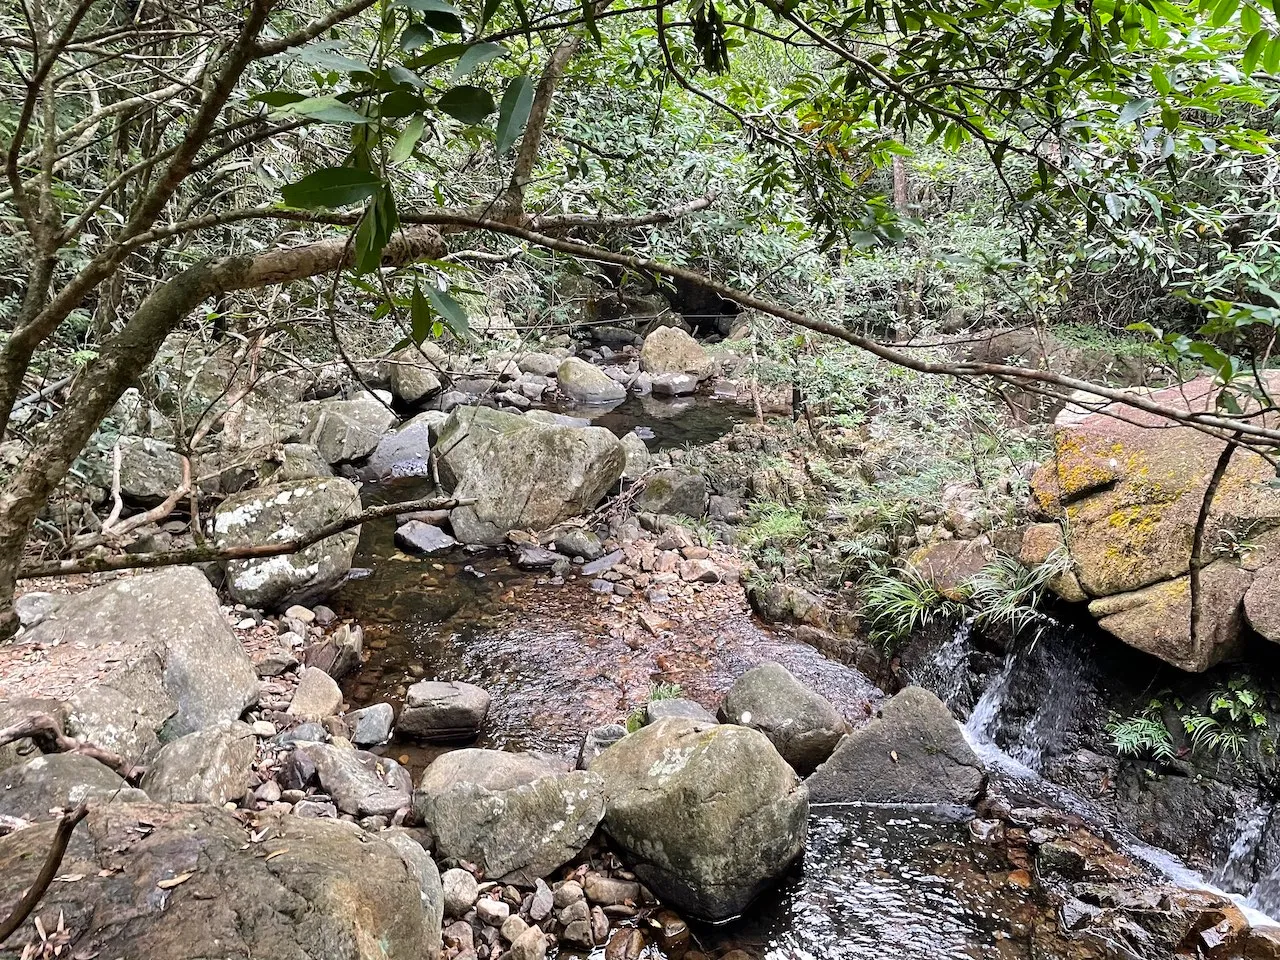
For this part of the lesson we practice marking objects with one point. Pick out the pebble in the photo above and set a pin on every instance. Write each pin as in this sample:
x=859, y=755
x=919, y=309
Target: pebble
x=625, y=945
x=578, y=910
x=530, y=945
x=263, y=728
x=301, y=614
x=568, y=892
x=607, y=891
x=512, y=928
x=493, y=912
x=460, y=891
x=543, y=902
x=578, y=934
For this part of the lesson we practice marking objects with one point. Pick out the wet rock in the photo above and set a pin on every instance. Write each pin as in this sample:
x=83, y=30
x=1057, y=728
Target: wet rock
x=443, y=711
x=607, y=891
x=346, y=430
x=637, y=454
x=597, y=740
x=625, y=944
x=671, y=350
x=578, y=934
x=533, y=557
x=539, y=364
x=674, y=492
x=418, y=537
x=412, y=373
x=949, y=565
x=59, y=781
x=460, y=891
x=803, y=725
x=208, y=766
x=709, y=816
x=175, y=665
x=677, y=707
x=371, y=725
x=316, y=696
x=360, y=783
x=577, y=542
x=281, y=512
x=913, y=752
x=514, y=815
x=522, y=474
x=585, y=383
x=337, y=894
x=603, y=565
x=406, y=451
x=338, y=654
x=673, y=384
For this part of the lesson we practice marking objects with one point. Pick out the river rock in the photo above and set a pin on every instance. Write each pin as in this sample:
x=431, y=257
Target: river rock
x=317, y=695
x=346, y=430
x=150, y=470
x=300, y=461
x=638, y=457
x=913, y=752
x=514, y=815
x=677, y=707
x=361, y=784
x=803, y=725
x=1129, y=493
x=334, y=893
x=59, y=781
x=169, y=663
x=673, y=384
x=285, y=511
x=208, y=766
x=460, y=891
x=424, y=870
x=577, y=542
x=671, y=350
x=443, y=711
x=597, y=740
x=709, y=816
x=674, y=492
x=585, y=383
x=539, y=364
x=415, y=536
x=406, y=450
x=371, y=725
x=412, y=373
x=522, y=473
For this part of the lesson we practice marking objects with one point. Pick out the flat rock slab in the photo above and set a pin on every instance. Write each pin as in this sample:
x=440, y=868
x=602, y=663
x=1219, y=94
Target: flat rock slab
x=414, y=536
x=33, y=790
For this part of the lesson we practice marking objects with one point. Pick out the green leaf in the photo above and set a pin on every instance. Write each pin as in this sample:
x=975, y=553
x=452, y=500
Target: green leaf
x=437, y=14
x=331, y=187
x=421, y=316
x=1250, y=18
x=408, y=139
x=450, y=311
x=1223, y=11
x=278, y=98
x=1160, y=80
x=477, y=55
x=490, y=8
x=467, y=104
x=437, y=55
x=1271, y=59
x=327, y=55
x=1253, y=52
x=328, y=110
x=1134, y=109
x=415, y=36
x=381, y=220
x=517, y=101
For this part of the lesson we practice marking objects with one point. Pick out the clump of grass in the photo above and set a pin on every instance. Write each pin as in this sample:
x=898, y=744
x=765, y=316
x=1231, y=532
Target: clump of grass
x=657, y=692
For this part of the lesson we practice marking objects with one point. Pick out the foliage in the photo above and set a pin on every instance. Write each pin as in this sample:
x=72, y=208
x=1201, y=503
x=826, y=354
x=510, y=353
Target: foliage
x=1007, y=593
x=1233, y=715
x=1143, y=734
x=657, y=693
x=897, y=603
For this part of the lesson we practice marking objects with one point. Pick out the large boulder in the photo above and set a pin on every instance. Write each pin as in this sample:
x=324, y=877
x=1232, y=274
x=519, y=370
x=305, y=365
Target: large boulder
x=671, y=350
x=360, y=783
x=913, y=752
x=585, y=383
x=522, y=473
x=709, y=815
x=169, y=662
x=184, y=881
x=413, y=373
x=59, y=781
x=802, y=724
x=345, y=430
x=674, y=492
x=286, y=511
x=406, y=451
x=514, y=815
x=208, y=766
x=1128, y=491
x=150, y=470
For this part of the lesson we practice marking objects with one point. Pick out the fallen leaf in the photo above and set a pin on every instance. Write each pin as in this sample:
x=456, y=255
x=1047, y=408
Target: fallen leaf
x=69, y=878
x=276, y=853
x=174, y=881
x=893, y=755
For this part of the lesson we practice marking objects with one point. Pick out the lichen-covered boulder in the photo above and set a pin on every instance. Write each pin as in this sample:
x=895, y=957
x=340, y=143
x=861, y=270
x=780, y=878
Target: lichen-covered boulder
x=709, y=814
x=207, y=766
x=513, y=814
x=522, y=473
x=150, y=470
x=345, y=430
x=671, y=350
x=184, y=881
x=674, y=492
x=171, y=664
x=913, y=752
x=34, y=790
x=585, y=383
x=286, y=511
x=1128, y=493
x=802, y=724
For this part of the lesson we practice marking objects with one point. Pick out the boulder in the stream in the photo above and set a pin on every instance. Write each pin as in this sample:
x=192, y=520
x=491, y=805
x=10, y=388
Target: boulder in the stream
x=674, y=491
x=913, y=752
x=522, y=473
x=207, y=766
x=58, y=781
x=638, y=457
x=671, y=350
x=169, y=663
x=673, y=384
x=515, y=815
x=414, y=373
x=443, y=711
x=281, y=512
x=414, y=536
x=587, y=383
x=316, y=696
x=802, y=724
x=406, y=450
x=346, y=430
x=193, y=885
x=371, y=725
x=709, y=815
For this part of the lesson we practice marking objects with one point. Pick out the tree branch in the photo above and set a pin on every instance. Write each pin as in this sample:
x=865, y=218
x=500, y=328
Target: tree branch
x=57, y=850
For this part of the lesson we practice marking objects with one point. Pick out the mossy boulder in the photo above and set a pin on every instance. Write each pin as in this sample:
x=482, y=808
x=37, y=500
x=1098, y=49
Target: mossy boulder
x=1128, y=494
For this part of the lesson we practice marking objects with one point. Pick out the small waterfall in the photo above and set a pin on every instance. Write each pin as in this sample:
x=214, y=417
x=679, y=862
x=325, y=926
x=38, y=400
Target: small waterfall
x=945, y=675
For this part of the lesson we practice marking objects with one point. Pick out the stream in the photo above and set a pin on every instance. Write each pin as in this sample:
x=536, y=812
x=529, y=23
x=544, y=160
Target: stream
x=557, y=659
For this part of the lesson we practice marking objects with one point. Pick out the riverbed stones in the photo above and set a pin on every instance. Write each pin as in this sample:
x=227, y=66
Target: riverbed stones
x=317, y=695
x=171, y=664
x=578, y=542
x=586, y=383
x=413, y=373
x=913, y=752
x=35, y=790
x=709, y=815
x=521, y=473
x=460, y=891
x=207, y=766
x=423, y=538
x=360, y=783
x=514, y=815
x=443, y=711
x=371, y=725
x=673, y=384
x=346, y=430
x=194, y=886
x=674, y=491
x=1129, y=491
x=671, y=350
x=283, y=512
x=802, y=724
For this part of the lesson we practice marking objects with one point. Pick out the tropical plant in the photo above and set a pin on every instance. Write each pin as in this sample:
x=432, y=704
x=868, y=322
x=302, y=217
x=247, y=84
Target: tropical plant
x=1143, y=735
